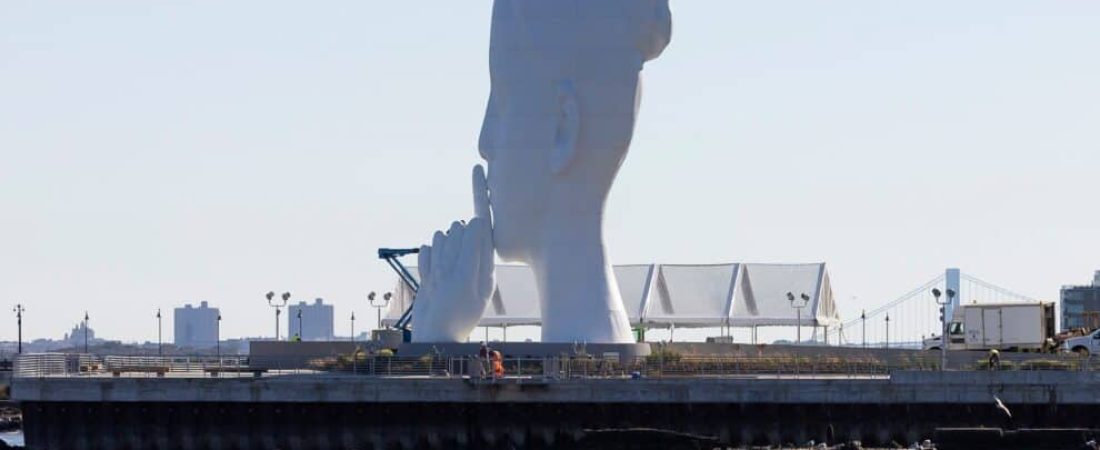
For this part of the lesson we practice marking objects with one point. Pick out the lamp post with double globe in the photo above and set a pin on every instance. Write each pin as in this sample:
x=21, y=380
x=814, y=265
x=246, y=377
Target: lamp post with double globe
x=798, y=308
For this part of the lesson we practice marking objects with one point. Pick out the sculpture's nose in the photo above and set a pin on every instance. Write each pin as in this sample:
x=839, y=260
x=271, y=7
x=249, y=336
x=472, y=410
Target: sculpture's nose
x=486, y=143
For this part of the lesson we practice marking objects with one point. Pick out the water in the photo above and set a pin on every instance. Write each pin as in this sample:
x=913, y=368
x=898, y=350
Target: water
x=14, y=438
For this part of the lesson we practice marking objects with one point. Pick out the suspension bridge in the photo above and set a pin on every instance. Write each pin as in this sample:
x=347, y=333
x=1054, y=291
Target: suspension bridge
x=907, y=320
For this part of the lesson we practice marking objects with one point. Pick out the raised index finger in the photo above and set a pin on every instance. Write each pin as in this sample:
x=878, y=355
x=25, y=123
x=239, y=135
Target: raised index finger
x=481, y=195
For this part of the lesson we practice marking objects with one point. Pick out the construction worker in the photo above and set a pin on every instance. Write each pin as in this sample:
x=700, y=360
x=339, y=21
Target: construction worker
x=994, y=359
x=296, y=338
x=483, y=360
x=498, y=364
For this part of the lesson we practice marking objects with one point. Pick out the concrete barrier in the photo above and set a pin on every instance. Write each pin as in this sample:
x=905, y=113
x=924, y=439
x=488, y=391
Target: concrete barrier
x=288, y=355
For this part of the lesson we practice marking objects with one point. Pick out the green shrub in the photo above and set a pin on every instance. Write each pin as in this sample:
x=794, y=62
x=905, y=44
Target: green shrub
x=983, y=364
x=1045, y=364
x=664, y=355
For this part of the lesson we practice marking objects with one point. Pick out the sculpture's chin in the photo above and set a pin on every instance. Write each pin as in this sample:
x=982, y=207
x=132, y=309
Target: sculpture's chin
x=511, y=253
x=510, y=256
x=509, y=246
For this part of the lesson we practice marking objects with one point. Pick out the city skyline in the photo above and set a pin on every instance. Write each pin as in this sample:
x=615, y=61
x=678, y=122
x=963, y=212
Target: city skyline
x=156, y=155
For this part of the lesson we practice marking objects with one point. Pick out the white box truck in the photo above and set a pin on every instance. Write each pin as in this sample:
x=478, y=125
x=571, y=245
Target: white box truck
x=1001, y=326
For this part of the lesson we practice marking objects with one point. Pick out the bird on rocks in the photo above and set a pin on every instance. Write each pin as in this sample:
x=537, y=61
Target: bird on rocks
x=1001, y=406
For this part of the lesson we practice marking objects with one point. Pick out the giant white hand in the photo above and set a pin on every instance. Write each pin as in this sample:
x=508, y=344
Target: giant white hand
x=456, y=275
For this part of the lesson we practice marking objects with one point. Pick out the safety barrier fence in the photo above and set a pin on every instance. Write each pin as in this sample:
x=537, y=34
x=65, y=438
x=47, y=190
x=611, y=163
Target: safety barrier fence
x=577, y=366
x=85, y=364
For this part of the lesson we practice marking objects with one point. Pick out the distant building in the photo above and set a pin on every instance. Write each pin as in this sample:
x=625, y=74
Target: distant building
x=196, y=327
x=316, y=324
x=1081, y=305
x=76, y=337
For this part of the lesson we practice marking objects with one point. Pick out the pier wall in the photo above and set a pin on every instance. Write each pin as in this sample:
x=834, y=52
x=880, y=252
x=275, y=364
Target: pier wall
x=309, y=426
x=313, y=412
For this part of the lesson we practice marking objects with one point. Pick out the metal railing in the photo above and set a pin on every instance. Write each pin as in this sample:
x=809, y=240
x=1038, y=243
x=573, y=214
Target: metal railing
x=658, y=365
x=83, y=364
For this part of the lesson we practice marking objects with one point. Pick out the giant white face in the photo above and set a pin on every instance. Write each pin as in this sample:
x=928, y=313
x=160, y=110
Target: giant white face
x=565, y=93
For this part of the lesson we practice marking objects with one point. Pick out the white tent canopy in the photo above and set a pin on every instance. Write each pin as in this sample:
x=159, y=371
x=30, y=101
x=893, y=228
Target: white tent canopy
x=691, y=296
x=704, y=295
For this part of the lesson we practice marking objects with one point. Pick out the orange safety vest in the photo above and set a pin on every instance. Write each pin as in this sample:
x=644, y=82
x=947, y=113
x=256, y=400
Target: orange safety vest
x=498, y=365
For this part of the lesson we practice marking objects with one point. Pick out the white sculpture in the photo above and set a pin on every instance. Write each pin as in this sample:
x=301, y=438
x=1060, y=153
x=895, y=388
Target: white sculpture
x=565, y=91
x=456, y=275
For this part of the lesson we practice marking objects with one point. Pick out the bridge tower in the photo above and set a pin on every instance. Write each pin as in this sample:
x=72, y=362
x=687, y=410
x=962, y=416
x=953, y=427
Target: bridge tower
x=952, y=280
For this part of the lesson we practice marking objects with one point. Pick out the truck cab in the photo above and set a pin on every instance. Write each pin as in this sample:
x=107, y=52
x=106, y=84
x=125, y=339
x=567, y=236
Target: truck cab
x=956, y=333
x=1084, y=345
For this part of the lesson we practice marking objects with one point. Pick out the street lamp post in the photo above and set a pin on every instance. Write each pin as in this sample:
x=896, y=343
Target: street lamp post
x=85, y=331
x=863, y=317
x=218, y=339
x=887, y=330
x=798, y=308
x=160, y=340
x=300, y=336
x=19, y=324
x=944, y=339
x=379, y=303
x=278, y=307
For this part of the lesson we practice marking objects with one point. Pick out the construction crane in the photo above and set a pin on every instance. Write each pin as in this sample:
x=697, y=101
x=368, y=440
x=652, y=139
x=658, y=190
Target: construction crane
x=392, y=255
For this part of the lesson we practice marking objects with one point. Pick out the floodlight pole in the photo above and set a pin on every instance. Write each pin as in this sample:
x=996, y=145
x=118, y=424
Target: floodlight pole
x=272, y=302
x=950, y=299
x=944, y=340
x=379, y=303
x=798, y=325
x=798, y=310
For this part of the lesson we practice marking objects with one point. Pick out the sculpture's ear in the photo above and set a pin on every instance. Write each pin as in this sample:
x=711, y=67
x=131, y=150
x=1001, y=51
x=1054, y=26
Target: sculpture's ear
x=569, y=127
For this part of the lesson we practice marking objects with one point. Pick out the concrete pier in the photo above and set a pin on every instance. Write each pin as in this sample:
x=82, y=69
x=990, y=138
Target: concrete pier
x=1017, y=387
x=315, y=412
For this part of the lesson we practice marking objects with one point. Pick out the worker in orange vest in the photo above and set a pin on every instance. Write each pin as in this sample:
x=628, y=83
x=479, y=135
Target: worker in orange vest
x=498, y=364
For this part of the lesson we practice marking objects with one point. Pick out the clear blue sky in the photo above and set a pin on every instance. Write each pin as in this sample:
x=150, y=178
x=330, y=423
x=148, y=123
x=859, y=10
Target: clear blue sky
x=156, y=153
